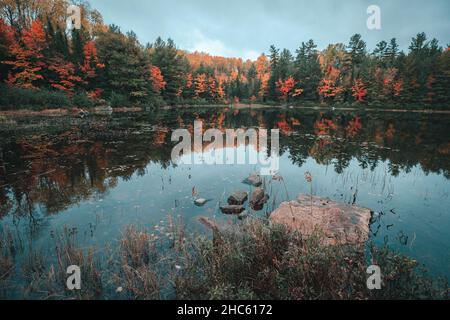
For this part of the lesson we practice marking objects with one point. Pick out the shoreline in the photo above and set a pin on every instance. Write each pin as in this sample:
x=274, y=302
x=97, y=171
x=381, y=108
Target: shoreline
x=58, y=112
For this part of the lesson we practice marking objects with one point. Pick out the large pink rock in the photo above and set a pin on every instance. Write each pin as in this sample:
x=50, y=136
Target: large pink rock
x=339, y=223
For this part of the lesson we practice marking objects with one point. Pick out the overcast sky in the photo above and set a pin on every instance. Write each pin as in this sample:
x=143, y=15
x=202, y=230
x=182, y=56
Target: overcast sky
x=246, y=28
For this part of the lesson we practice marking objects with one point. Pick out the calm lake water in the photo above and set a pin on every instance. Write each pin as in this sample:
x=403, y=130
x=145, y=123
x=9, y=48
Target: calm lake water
x=101, y=173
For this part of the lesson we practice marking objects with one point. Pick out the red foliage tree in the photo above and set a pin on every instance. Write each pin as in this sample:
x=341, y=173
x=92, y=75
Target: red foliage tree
x=29, y=59
x=354, y=126
x=329, y=89
x=324, y=126
x=286, y=87
x=397, y=88
x=66, y=80
x=359, y=90
x=91, y=62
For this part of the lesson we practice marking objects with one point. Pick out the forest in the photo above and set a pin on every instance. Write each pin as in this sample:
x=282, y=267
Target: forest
x=45, y=65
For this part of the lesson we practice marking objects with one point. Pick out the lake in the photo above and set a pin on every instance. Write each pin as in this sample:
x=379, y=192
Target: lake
x=99, y=174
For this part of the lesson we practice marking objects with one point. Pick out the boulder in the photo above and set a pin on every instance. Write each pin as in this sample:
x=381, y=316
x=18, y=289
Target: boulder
x=339, y=223
x=238, y=198
x=232, y=209
x=258, y=199
x=253, y=180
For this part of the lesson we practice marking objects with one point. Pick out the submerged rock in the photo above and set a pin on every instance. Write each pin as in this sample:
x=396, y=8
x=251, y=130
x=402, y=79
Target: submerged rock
x=253, y=180
x=238, y=198
x=258, y=199
x=200, y=202
x=243, y=215
x=232, y=209
x=339, y=223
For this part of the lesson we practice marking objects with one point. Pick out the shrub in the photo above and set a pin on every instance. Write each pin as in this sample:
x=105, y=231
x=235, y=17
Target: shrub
x=81, y=100
x=13, y=98
x=118, y=100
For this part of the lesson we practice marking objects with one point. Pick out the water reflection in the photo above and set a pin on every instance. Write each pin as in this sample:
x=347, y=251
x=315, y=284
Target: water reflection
x=48, y=167
x=70, y=165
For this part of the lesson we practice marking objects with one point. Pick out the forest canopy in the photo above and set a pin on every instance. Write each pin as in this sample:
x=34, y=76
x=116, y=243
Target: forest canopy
x=43, y=62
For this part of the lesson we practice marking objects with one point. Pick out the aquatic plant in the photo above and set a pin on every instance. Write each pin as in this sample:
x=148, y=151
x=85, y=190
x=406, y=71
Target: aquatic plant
x=251, y=260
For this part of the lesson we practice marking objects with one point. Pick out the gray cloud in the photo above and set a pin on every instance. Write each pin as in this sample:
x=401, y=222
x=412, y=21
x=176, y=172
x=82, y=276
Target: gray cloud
x=247, y=28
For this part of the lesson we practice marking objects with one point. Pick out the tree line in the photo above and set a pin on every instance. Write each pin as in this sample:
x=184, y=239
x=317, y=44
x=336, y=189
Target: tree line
x=42, y=62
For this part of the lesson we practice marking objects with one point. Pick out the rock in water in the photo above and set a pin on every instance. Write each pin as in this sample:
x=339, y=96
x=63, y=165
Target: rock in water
x=238, y=198
x=243, y=215
x=200, y=202
x=258, y=199
x=253, y=180
x=340, y=223
x=232, y=209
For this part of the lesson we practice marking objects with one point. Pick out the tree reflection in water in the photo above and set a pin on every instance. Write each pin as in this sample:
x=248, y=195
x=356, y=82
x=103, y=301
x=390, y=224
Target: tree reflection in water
x=79, y=159
x=394, y=163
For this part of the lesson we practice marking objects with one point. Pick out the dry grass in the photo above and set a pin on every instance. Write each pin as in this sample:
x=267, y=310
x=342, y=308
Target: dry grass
x=267, y=262
x=254, y=260
x=137, y=275
x=7, y=253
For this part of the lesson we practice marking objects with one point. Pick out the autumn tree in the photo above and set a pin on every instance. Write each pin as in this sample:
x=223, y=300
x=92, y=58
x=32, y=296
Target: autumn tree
x=201, y=85
x=263, y=74
x=90, y=69
x=66, y=78
x=359, y=91
x=157, y=79
x=28, y=53
x=286, y=88
x=328, y=89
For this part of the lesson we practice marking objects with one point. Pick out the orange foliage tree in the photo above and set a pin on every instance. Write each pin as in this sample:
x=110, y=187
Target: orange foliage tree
x=212, y=88
x=220, y=90
x=201, y=85
x=157, y=79
x=263, y=74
